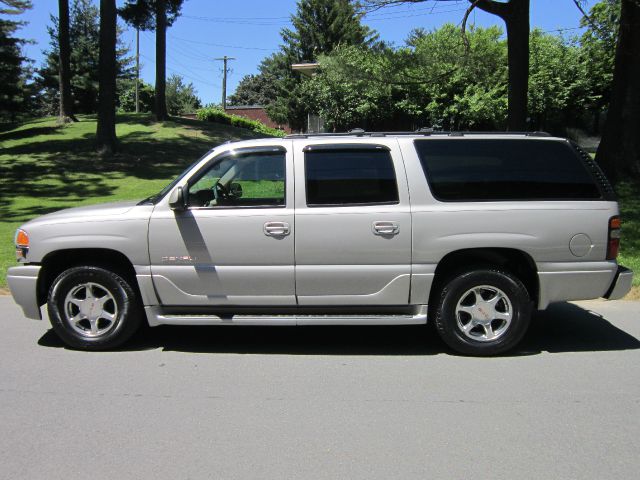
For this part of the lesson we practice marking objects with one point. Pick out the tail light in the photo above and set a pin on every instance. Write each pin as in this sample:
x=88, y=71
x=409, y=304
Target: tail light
x=613, y=243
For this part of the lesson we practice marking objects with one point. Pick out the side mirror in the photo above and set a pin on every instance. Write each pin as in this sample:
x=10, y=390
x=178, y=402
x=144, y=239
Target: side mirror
x=177, y=200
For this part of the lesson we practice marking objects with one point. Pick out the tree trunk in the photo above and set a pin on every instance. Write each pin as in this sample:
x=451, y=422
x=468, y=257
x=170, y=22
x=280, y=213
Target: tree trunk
x=106, y=131
x=517, y=21
x=619, y=150
x=66, y=103
x=515, y=14
x=161, y=60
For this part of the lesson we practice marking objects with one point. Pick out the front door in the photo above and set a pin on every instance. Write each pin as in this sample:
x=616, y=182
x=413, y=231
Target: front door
x=353, y=224
x=234, y=243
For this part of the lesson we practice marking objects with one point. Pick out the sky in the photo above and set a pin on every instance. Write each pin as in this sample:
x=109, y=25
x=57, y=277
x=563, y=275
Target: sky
x=249, y=30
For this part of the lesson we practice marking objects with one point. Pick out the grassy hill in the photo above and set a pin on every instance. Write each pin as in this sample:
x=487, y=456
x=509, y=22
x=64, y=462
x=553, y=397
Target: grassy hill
x=46, y=167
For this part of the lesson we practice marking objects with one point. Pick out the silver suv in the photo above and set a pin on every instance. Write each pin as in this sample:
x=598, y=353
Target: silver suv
x=472, y=231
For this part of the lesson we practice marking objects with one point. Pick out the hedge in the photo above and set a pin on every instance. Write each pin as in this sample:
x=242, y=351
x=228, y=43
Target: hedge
x=211, y=114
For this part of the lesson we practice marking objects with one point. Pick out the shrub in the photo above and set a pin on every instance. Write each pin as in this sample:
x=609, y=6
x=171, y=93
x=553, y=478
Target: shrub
x=213, y=114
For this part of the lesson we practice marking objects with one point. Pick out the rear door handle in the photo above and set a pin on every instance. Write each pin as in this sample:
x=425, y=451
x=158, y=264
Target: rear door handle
x=276, y=229
x=386, y=228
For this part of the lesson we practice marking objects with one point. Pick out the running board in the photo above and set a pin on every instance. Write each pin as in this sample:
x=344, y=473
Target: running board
x=156, y=317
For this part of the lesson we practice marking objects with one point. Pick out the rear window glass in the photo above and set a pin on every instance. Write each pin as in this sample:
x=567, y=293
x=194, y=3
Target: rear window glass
x=507, y=169
x=350, y=177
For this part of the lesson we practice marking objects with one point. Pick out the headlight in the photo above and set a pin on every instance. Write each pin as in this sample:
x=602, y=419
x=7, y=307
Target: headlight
x=22, y=245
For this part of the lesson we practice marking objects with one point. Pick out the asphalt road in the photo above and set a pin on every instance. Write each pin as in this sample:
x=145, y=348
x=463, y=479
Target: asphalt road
x=332, y=402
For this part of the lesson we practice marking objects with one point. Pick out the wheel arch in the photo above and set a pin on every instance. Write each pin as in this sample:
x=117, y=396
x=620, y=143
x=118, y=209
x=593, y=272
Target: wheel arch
x=54, y=263
x=513, y=260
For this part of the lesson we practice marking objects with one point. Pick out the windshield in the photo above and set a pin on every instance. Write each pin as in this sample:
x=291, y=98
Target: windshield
x=154, y=198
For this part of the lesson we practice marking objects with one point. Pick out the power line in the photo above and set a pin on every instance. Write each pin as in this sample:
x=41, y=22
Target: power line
x=222, y=45
x=178, y=72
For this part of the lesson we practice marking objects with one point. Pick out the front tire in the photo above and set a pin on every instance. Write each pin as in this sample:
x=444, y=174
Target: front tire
x=483, y=312
x=91, y=308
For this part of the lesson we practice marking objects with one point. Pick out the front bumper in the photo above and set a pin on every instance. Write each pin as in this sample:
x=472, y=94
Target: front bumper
x=621, y=284
x=23, y=281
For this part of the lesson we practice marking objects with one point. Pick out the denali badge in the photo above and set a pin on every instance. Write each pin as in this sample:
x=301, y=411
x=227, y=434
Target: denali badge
x=183, y=259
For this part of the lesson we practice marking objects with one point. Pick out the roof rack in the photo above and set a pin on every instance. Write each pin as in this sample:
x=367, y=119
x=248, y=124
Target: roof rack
x=426, y=132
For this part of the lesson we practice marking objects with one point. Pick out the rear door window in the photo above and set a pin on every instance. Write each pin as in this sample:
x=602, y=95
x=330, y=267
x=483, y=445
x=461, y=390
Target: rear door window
x=343, y=176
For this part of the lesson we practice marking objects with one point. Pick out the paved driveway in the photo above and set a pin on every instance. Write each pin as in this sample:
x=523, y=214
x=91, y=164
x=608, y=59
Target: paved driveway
x=331, y=402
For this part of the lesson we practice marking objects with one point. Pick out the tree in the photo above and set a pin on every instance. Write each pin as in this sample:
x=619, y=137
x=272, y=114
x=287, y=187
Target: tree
x=319, y=26
x=155, y=15
x=427, y=83
x=515, y=14
x=64, y=49
x=254, y=90
x=619, y=150
x=598, y=56
x=127, y=96
x=181, y=97
x=12, y=71
x=557, y=83
x=106, y=129
x=84, y=36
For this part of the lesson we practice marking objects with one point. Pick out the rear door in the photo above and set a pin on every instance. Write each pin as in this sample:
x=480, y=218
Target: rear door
x=353, y=224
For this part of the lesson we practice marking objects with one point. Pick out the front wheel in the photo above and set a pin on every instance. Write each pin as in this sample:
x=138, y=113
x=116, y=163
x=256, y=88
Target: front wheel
x=483, y=312
x=91, y=308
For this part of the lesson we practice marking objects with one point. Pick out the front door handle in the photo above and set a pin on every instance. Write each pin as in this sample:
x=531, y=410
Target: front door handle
x=276, y=229
x=386, y=228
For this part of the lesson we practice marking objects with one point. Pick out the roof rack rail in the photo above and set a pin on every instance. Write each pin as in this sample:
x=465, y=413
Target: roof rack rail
x=359, y=132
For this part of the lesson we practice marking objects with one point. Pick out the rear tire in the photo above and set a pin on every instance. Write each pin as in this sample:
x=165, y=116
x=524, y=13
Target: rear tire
x=91, y=308
x=483, y=312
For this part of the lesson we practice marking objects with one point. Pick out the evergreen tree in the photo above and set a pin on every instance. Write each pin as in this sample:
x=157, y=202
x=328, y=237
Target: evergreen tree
x=319, y=26
x=155, y=15
x=12, y=70
x=84, y=40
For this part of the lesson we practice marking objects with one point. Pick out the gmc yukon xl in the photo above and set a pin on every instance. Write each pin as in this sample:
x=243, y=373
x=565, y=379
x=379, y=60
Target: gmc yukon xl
x=470, y=231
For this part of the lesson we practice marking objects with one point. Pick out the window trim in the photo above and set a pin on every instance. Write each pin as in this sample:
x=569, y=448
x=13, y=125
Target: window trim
x=271, y=150
x=348, y=147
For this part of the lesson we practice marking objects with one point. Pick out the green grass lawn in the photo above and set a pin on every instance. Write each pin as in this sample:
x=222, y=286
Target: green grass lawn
x=46, y=167
x=629, y=197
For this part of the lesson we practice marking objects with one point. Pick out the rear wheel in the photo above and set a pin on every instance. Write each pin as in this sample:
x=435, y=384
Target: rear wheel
x=92, y=308
x=483, y=312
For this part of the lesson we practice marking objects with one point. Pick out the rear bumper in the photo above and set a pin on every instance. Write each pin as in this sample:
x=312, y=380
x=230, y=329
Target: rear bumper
x=23, y=281
x=621, y=284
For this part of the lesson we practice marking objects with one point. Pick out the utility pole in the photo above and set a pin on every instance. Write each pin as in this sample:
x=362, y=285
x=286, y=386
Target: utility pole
x=224, y=80
x=137, y=70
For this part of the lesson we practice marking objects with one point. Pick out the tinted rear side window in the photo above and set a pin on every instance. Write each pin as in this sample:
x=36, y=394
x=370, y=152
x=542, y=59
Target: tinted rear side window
x=508, y=169
x=350, y=177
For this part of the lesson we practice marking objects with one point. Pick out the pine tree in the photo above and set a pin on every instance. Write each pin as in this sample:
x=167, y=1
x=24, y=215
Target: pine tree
x=155, y=15
x=320, y=25
x=84, y=39
x=12, y=71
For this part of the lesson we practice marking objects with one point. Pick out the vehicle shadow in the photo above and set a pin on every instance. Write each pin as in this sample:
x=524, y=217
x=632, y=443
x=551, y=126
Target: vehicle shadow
x=562, y=328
